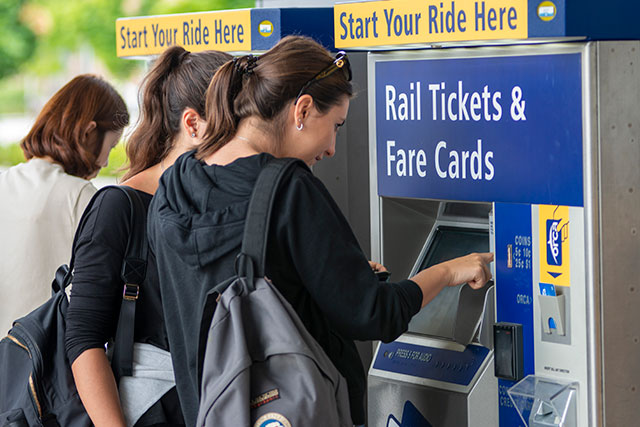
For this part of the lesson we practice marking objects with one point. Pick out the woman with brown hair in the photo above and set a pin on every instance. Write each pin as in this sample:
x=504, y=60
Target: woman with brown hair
x=289, y=102
x=172, y=108
x=42, y=200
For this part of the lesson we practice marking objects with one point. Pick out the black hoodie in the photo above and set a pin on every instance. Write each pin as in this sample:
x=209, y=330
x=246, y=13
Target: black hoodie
x=196, y=221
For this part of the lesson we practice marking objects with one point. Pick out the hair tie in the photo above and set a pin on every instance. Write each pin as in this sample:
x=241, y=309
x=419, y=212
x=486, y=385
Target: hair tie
x=177, y=59
x=247, y=67
x=251, y=64
x=183, y=56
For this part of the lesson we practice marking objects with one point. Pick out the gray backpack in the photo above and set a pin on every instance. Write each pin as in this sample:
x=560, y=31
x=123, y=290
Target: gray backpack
x=261, y=367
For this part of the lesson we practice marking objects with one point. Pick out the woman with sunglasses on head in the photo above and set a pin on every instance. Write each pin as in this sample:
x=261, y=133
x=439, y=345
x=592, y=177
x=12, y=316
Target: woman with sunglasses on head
x=171, y=122
x=289, y=102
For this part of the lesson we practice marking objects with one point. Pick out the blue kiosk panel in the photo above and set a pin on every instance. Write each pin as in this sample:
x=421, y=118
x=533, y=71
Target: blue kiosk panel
x=589, y=19
x=431, y=363
x=501, y=129
x=268, y=26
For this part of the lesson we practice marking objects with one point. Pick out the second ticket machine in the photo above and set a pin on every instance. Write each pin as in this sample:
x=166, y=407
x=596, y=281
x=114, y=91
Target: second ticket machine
x=518, y=135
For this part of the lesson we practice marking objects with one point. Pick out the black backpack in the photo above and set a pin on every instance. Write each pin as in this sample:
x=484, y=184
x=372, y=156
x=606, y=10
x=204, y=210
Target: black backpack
x=36, y=383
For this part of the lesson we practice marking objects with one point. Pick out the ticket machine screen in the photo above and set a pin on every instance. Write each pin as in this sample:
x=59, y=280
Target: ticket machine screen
x=439, y=316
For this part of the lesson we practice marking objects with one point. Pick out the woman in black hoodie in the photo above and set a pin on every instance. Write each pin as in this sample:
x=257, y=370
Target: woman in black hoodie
x=288, y=103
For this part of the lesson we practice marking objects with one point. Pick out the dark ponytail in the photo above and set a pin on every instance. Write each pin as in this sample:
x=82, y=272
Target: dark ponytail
x=222, y=120
x=263, y=88
x=178, y=80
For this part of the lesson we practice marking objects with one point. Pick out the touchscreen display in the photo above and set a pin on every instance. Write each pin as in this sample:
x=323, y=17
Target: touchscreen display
x=439, y=316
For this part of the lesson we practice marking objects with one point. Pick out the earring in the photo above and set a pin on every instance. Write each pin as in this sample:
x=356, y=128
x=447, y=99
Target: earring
x=300, y=126
x=193, y=134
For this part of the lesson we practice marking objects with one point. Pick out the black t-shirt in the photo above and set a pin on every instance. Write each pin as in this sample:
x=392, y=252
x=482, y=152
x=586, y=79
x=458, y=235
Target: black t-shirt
x=196, y=221
x=96, y=294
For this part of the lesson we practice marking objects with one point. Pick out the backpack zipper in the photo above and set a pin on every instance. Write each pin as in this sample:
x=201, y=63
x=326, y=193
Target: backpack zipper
x=15, y=340
x=32, y=387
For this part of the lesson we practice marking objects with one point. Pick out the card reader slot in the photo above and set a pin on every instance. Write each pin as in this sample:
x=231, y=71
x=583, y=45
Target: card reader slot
x=552, y=314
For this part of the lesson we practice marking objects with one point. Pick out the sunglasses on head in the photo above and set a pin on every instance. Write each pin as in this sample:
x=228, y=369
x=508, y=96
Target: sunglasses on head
x=340, y=63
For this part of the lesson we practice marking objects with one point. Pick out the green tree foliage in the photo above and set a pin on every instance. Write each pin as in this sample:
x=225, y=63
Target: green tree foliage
x=77, y=24
x=10, y=155
x=185, y=6
x=18, y=42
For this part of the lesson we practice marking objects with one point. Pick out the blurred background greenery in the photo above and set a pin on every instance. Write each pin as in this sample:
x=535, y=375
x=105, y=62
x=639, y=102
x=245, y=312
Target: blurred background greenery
x=47, y=42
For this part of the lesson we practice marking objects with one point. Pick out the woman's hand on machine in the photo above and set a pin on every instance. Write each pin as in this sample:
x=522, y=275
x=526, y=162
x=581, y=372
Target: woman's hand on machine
x=380, y=271
x=472, y=269
x=376, y=267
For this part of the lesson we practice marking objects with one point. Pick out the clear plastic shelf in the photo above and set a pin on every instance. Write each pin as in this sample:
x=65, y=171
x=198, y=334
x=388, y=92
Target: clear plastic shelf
x=543, y=402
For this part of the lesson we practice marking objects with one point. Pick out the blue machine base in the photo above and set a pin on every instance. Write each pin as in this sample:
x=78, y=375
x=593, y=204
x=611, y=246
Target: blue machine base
x=431, y=363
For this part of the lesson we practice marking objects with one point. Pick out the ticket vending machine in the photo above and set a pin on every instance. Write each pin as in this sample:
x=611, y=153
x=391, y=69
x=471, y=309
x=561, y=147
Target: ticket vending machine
x=549, y=143
x=529, y=148
x=441, y=369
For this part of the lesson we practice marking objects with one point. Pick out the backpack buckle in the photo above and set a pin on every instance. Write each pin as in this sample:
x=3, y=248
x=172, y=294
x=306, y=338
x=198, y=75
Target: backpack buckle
x=130, y=292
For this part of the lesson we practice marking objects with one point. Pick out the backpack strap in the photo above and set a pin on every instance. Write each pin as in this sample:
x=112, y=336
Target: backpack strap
x=134, y=268
x=251, y=260
x=64, y=274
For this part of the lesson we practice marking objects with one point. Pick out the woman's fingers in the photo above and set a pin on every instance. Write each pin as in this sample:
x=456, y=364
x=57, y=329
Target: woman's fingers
x=484, y=275
x=487, y=257
x=473, y=269
x=377, y=266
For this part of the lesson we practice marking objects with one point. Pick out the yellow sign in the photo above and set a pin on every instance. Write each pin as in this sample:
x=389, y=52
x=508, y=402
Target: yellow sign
x=392, y=22
x=554, y=245
x=224, y=30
